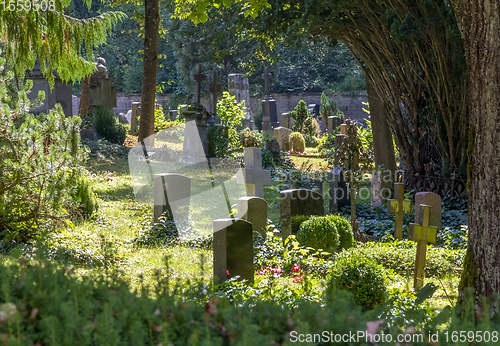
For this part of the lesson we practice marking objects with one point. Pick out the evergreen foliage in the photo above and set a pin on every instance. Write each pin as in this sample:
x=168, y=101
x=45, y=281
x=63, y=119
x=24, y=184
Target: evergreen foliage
x=107, y=126
x=297, y=142
x=303, y=119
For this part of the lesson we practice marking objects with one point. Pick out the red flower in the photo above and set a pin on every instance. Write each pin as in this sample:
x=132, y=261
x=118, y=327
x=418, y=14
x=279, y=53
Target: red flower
x=227, y=272
x=296, y=268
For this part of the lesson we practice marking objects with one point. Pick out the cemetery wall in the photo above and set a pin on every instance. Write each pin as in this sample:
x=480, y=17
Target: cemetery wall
x=350, y=104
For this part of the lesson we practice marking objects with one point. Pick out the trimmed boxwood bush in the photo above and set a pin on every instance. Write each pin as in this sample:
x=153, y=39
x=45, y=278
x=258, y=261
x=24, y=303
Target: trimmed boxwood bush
x=362, y=277
x=319, y=232
x=297, y=221
x=344, y=229
x=107, y=126
x=297, y=142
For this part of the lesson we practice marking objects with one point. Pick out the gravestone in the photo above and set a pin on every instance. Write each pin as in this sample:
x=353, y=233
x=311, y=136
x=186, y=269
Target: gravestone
x=422, y=233
x=61, y=92
x=432, y=199
x=253, y=176
x=269, y=110
x=376, y=189
x=237, y=85
x=101, y=89
x=399, y=206
x=284, y=120
x=282, y=135
x=233, y=250
x=337, y=192
x=122, y=119
x=313, y=109
x=254, y=210
x=214, y=89
x=172, y=193
x=173, y=114
x=333, y=123
x=295, y=202
x=195, y=147
x=134, y=116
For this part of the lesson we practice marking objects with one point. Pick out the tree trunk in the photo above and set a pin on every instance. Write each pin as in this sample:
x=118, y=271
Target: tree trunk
x=383, y=148
x=479, y=22
x=85, y=97
x=152, y=21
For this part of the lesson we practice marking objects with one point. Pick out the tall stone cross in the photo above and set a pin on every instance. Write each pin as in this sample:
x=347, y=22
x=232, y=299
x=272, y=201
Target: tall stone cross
x=422, y=234
x=253, y=176
x=198, y=78
x=399, y=206
x=267, y=77
x=214, y=91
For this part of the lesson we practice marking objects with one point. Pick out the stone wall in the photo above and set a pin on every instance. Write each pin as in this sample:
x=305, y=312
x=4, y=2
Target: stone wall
x=350, y=104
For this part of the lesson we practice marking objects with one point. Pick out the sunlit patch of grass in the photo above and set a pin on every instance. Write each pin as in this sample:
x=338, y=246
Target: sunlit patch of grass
x=317, y=164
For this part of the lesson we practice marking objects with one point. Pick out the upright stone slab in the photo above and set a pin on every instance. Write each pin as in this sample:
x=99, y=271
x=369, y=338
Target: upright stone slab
x=269, y=110
x=333, y=123
x=284, y=120
x=238, y=86
x=253, y=176
x=101, y=89
x=214, y=93
x=337, y=193
x=233, y=250
x=172, y=114
x=282, y=135
x=254, y=210
x=434, y=201
x=172, y=193
x=298, y=202
x=134, y=116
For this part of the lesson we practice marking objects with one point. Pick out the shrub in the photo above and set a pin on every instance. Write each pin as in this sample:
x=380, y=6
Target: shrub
x=87, y=200
x=326, y=144
x=303, y=119
x=106, y=125
x=360, y=276
x=319, y=232
x=344, y=229
x=218, y=141
x=297, y=221
x=251, y=139
x=297, y=142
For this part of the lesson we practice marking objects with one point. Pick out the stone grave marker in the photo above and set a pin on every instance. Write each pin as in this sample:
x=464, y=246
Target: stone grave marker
x=333, y=123
x=399, y=206
x=337, y=193
x=172, y=193
x=233, y=250
x=282, y=135
x=254, y=210
x=134, y=115
x=253, y=176
x=172, y=114
x=422, y=233
x=214, y=89
x=101, y=89
x=269, y=110
x=432, y=199
x=295, y=202
x=284, y=119
x=238, y=86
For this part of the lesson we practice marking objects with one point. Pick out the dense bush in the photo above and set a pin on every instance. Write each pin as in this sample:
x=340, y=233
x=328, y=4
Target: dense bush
x=231, y=114
x=303, y=119
x=218, y=141
x=297, y=142
x=40, y=161
x=344, y=229
x=251, y=139
x=297, y=221
x=86, y=199
x=319, y=232
x=326, y=144
x=107, y=126
x=360, y=276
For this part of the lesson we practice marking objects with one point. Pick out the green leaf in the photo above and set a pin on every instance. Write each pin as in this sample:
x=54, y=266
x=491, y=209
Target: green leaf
x=70, y=224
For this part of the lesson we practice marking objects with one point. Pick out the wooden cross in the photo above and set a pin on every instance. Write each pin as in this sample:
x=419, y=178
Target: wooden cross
x=267, y=77
x=399, y=206
x=214, y=91
x=253, y=176
x=198, y=78
x=422, y=234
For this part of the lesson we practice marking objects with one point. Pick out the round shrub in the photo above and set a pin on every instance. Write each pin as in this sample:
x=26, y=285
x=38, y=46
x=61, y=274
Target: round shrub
x=106, y=125
x=297, y=141
x=297, y=221
x=250, y=139
x=319, y=232
x=360, y=276
x=344, y=229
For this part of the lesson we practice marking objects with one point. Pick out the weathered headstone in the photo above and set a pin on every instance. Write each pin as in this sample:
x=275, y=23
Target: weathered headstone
x=399, y=206
x=101, y=89
x=254, y=210
x=333, y=123
x=282, y=135
x=432, y=199
x=313, y=109
x=172, y=114
x=237, y=85
x=422, y=233
x=269, y=110
x=338, y=192
x=61, y=93
x=253, y=176
x=284, y=120
x=172, y=193
x=134, y=117
x=233, y=250
x=295, y=202
x=376, y=189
